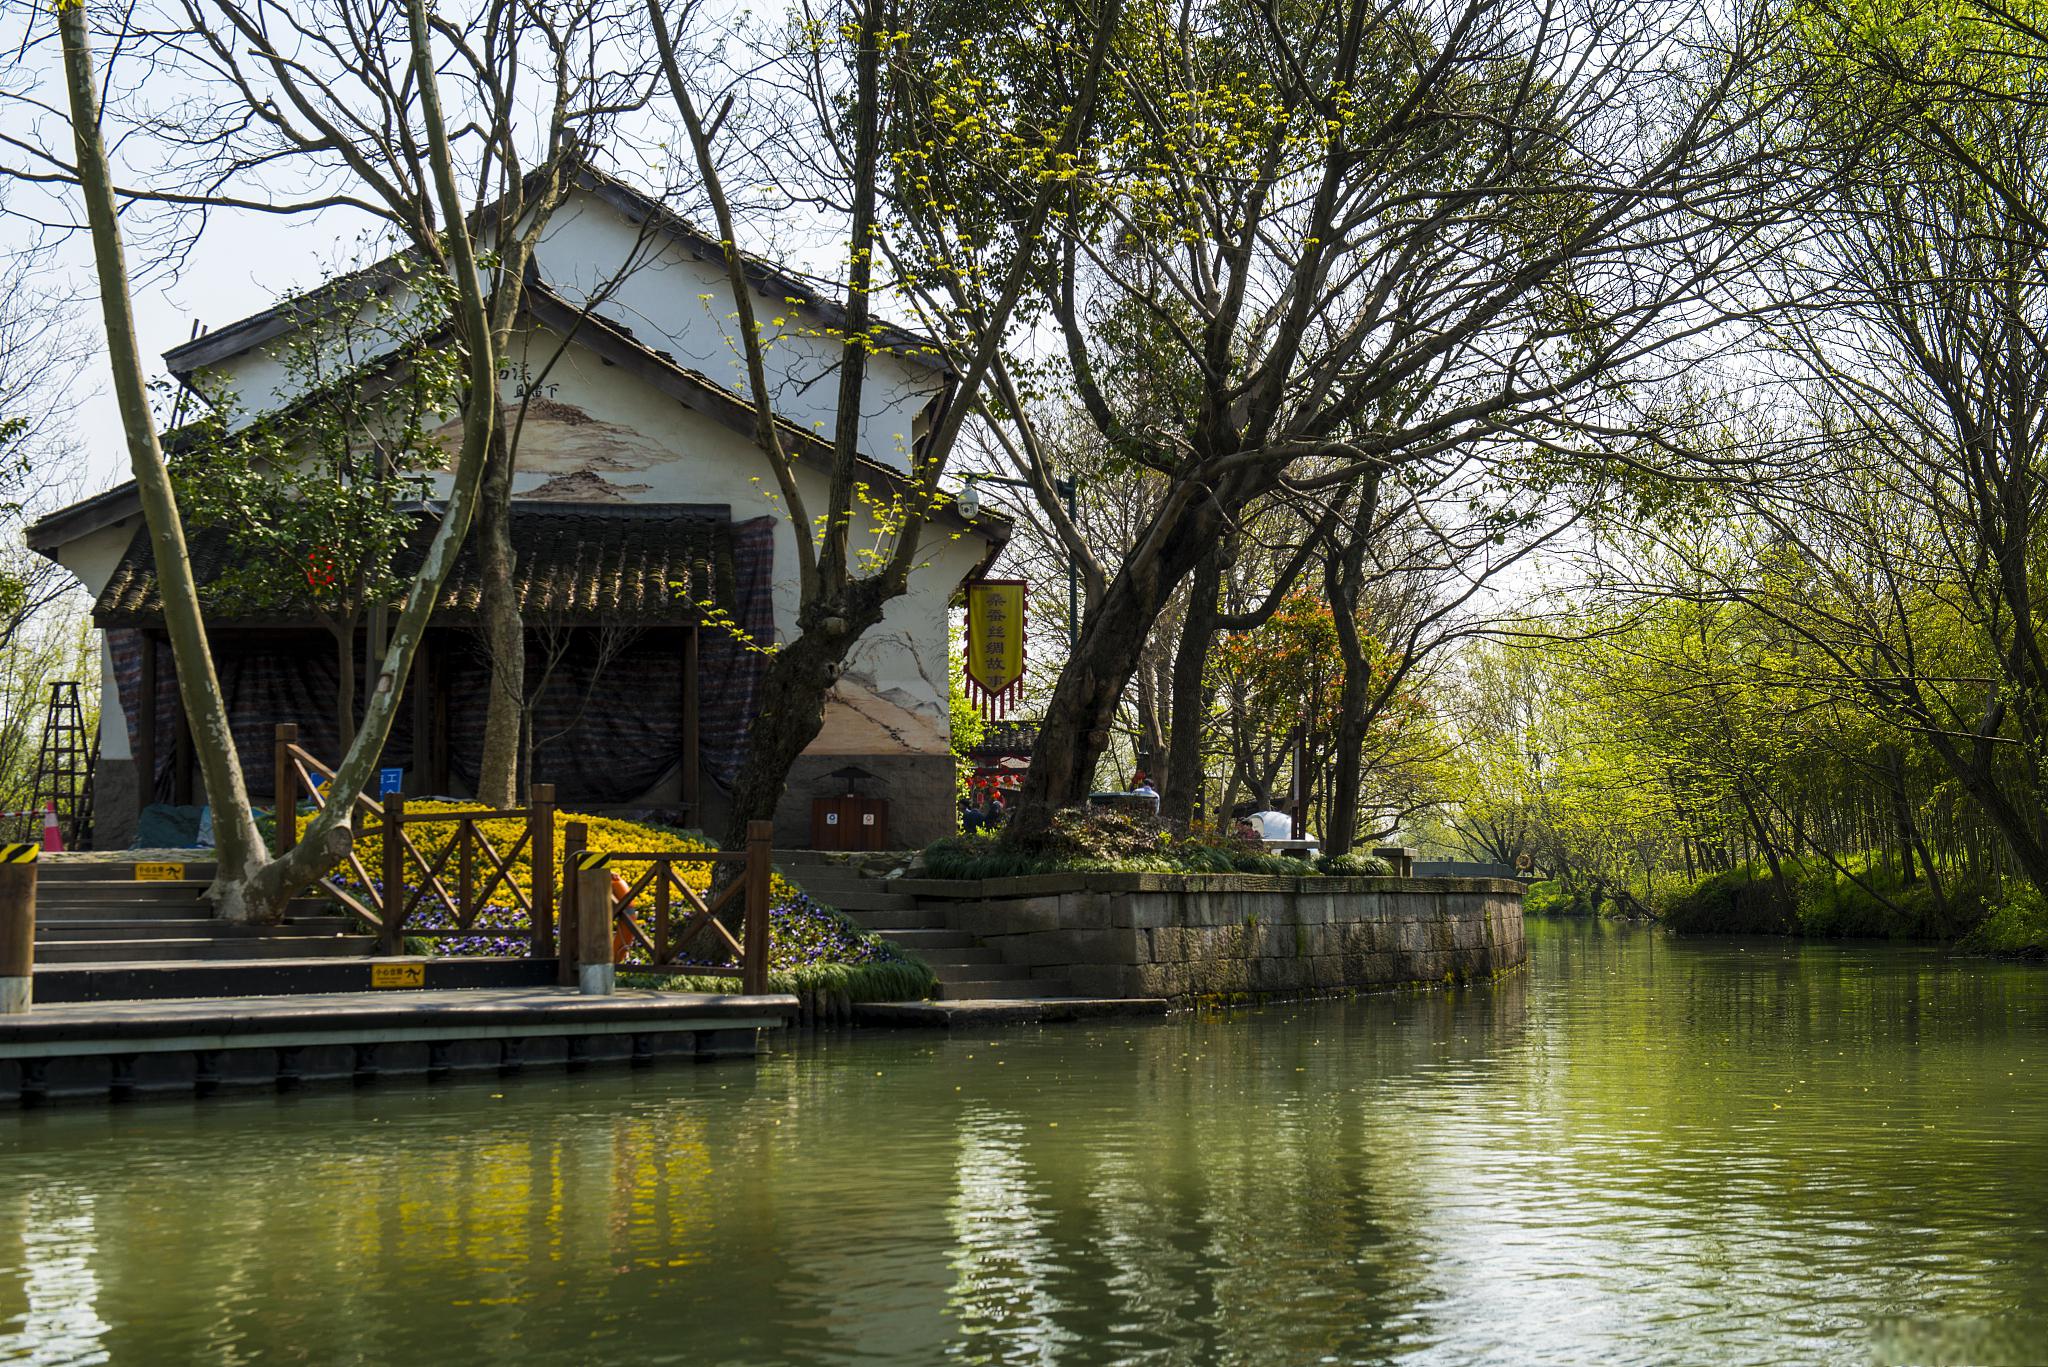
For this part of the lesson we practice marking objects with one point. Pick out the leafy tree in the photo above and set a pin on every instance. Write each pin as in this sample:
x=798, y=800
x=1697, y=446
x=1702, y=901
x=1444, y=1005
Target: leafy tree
x=317, y=500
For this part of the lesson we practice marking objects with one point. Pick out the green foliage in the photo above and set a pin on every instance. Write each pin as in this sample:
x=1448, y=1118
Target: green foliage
x=2015, y=927
x=1353, y=865
x=1823, y=903
x=1552, y=898
x=313, y=495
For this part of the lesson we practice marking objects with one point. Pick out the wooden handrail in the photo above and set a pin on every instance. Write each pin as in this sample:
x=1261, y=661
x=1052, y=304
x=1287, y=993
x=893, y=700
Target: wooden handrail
x=671, y=936
x=390, y=898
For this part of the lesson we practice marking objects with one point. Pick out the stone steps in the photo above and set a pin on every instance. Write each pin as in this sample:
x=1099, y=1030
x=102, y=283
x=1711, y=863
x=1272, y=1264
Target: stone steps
x=928, y=942
x=916, y=916
x=1004, y=989
x=117, y=953
x=97, y=913
x=166, y=928
x=923, y=918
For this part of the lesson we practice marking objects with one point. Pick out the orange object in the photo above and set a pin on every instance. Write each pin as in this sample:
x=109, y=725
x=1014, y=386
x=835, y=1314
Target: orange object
x=53, y=835
x=622, y=920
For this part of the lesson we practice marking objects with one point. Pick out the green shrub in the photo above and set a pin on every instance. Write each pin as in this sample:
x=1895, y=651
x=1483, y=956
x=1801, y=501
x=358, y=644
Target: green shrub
x=1824, y=902
x=1552, y=898
x=2016, y=926
x=1354, y=865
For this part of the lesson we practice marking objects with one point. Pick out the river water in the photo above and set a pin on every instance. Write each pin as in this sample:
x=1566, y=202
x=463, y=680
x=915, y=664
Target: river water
x=1639, y=1150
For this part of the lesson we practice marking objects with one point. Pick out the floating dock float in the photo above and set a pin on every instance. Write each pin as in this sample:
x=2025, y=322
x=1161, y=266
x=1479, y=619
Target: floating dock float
x=125, y=1049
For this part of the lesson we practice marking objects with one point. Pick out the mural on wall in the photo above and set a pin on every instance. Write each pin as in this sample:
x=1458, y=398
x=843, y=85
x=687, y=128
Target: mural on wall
x=867, y=713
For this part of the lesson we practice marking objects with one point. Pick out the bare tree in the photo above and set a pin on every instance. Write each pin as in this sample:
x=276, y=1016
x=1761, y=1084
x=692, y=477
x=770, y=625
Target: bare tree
x=1369, y=234
x=849, y=85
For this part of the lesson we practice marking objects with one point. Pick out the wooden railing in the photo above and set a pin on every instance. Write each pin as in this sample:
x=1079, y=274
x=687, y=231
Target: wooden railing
x=653, y=909
x=407, y=881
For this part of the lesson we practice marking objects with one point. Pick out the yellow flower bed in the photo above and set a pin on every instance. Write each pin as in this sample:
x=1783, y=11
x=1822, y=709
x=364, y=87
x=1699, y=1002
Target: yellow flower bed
x=602, y=833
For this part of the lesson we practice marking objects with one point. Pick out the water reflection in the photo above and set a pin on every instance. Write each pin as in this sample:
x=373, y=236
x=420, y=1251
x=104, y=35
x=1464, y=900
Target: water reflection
x=1640, y=1151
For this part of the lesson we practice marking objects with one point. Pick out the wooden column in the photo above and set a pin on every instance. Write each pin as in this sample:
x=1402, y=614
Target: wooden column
x=393, y=875
x=17, y=927
x=693, y=792
x=595, y=973
x=760, y=875
x=145, y=726
x=540, y=849
x=437, y=764
x=284, y=787
x=422, y=717
x=569, y=935
x=181, y=761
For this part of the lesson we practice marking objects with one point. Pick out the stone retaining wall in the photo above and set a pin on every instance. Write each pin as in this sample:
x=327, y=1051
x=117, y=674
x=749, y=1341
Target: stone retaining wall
x=1152, y=935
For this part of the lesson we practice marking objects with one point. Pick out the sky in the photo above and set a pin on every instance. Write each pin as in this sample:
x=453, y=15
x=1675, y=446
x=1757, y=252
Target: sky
x=241, y=265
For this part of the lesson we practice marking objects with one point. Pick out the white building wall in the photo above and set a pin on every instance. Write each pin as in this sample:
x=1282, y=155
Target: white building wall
x=594, y=433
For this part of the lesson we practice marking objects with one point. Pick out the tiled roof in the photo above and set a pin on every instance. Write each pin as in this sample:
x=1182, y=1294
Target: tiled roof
x=574, y=563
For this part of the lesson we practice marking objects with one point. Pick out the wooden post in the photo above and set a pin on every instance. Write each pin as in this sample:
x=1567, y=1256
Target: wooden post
x=595, y=974
x=17, y=927
x=394, y=873
x=285, y=788
x=574, y=835
x=693, y=787
x=760, y=873
x=181, y=760
x=422, y=717
x=145, y=727
x=540, y=851
x=465, y=869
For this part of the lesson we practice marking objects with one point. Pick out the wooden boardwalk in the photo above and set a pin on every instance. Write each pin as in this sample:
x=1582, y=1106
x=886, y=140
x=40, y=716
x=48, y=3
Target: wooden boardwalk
x=188, y=1046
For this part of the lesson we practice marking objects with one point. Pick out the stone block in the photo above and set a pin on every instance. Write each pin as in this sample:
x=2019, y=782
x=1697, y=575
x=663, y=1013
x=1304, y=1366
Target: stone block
x=1109, y=980
x=1280, y=975
x=1157, y=980
x=1010, y=916
x=1035, y=947
x=1220, y=977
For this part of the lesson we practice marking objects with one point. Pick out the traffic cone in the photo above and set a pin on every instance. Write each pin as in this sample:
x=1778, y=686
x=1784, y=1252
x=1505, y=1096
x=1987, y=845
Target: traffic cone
x=53, y=838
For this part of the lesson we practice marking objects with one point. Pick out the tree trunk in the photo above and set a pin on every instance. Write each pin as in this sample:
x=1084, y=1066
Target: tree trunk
x=344, y=634
x=789, y=711
x=1343, y=575
x=238, y=845
x=504, y=632
x=1190, y=704
x=1082, y=709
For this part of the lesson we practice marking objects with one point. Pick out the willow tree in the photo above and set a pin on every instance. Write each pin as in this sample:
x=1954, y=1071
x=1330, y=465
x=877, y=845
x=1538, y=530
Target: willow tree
x=1351, y=235
x=355, y=104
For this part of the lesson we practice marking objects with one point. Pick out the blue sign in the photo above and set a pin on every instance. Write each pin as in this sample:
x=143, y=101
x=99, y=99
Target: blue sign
x=390, y=781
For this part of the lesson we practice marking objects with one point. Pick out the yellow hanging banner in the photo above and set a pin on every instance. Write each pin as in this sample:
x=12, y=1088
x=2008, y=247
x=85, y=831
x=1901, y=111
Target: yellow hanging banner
x=995, y=642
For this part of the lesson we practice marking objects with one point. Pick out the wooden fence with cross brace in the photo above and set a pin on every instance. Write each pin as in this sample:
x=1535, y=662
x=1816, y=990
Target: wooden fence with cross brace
x=661, y=924
x=409, y=882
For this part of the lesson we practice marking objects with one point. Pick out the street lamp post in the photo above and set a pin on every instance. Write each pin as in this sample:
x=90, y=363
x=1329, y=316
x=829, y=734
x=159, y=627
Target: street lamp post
x=970, y=504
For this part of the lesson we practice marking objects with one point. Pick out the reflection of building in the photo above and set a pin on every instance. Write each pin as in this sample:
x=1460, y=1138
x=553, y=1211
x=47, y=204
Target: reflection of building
x=639, y=498
x=1003, y=756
